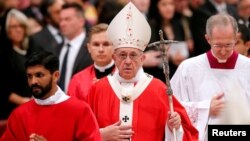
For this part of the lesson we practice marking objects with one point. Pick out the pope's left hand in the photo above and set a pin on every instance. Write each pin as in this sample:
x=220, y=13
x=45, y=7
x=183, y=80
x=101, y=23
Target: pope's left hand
x=174, y=121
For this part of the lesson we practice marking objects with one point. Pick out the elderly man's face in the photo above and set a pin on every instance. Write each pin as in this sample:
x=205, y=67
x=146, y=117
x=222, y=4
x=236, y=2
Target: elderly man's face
x=128, y=61
x=222, y=41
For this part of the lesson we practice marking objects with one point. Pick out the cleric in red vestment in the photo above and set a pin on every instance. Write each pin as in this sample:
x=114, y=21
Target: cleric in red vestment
x=51, y=115
x=130, y=104
x=101, y=50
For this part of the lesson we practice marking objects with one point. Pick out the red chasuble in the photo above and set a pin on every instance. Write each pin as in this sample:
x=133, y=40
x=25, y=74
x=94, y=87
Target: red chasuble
x=70, y=120
x=149, y=111
x=81, y=82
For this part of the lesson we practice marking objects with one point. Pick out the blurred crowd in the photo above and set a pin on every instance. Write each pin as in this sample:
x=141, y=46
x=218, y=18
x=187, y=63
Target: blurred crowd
x=32, y=25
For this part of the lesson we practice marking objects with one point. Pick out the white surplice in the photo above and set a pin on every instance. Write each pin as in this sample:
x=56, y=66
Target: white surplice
x=195, y=83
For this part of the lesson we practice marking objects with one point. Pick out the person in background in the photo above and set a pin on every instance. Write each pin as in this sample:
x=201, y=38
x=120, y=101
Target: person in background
x=8, y=4
x=74, y=55
x=125, y=99
x=183, y=14
x=101, y=50
x=33, y=11
x=199, y=18
x=194, y=4
x=204, y=83
x=51, y=115
x=243, y=9
x=142, y=5
x=107, y=10
x=161, y=17
x=90, y=12
x=243, y=44
x=177, y=53
x=35, y=16
x=232, y=2
x=49, y=38
x=13, y=53
x=24, y=4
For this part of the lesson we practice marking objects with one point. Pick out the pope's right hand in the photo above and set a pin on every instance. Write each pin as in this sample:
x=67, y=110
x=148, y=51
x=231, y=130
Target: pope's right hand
x=116, y=132
x=36, y=137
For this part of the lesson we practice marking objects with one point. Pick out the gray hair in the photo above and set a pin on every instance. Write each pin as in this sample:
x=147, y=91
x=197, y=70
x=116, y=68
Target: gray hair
x=221, y=20
x=19, y=16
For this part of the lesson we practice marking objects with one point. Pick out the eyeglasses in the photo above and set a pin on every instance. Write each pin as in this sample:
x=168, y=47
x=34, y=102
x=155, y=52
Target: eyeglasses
x=16, y=26
x=226, y=46
x=132, y=56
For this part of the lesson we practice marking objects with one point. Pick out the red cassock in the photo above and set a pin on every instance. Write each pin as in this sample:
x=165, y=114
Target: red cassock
x=81, y=82
x=150, y=111
x=70, y=120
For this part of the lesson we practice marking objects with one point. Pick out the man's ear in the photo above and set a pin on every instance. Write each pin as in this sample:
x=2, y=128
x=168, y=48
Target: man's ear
x=83, y=22
x=143, y=57
x=113, y=57
x=56, y=75
x=238, y=36
x=207, y=38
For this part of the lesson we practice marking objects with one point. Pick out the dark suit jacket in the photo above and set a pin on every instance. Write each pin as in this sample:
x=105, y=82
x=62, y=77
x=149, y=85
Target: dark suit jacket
x=44, y=40
x=29, y=13
x=198, y=25
x=83, y=59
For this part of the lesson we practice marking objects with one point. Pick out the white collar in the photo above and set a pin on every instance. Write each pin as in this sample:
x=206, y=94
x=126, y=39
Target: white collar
x=77, y=41
x=220, y=7
x=103, y=68
x=20, y=51
x=53, y=30
x=58, y=97
x=139, y=75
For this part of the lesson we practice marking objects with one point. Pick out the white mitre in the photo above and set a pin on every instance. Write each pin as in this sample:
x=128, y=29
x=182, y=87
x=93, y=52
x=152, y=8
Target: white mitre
x=129, y=28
